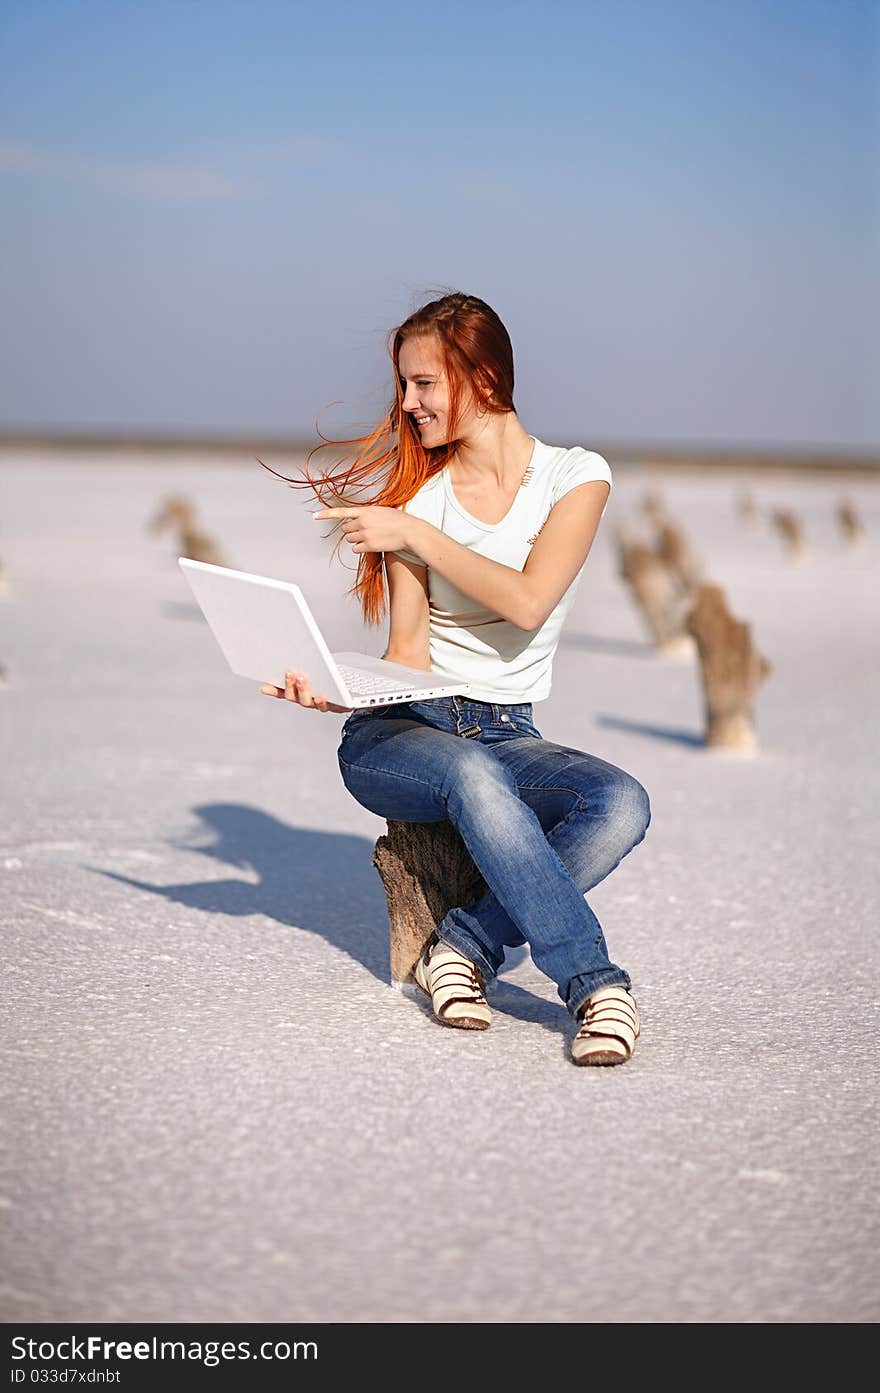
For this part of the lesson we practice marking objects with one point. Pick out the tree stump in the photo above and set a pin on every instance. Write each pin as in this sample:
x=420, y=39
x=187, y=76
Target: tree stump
x=177, y=512
x=850, y=524
x=426, y=870
x=731, y=668
x=676, y=551
x=748, y=510
x=198, y=546
x=789, y=527
x=657, y=592
x=653, y=506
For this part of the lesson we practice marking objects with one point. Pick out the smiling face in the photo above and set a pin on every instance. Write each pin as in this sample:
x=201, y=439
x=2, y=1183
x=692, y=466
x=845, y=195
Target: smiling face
x=425, y=388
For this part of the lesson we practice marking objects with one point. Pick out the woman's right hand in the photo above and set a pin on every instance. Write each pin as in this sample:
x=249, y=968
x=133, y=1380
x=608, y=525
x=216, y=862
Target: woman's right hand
x=296, y=688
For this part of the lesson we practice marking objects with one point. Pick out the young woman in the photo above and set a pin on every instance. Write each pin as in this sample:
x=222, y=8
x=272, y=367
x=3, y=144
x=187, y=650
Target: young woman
x=483, y=531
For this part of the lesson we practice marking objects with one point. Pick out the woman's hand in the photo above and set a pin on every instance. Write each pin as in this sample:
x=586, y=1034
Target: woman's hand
x=372, y=528
x=296, y=688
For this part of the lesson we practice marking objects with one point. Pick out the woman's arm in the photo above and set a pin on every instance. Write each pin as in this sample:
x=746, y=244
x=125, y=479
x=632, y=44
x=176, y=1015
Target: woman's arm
x=526, y=598
x=408, y=637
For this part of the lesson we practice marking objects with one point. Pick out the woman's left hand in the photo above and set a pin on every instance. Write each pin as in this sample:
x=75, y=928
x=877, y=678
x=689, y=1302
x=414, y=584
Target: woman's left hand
x=371, y=528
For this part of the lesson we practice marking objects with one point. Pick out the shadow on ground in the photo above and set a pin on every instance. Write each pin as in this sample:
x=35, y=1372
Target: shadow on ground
x=675, y=733
x=321, y=881
x=177, y=609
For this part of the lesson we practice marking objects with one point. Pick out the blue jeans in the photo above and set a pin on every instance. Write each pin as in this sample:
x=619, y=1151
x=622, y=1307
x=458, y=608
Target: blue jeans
x=543, y=824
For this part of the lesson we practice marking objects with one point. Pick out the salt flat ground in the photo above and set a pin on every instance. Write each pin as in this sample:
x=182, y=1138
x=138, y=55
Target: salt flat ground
x=216, y=1107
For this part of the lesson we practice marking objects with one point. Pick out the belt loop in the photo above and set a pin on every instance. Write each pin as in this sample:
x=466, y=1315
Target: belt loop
x=469, y=732
x=456, y=706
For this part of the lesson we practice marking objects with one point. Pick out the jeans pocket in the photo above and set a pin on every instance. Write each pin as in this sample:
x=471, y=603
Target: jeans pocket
x=517, y=721
x=525, y=727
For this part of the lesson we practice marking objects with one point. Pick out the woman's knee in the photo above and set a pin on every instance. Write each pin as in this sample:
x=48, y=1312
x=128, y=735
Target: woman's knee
x=631, y=807
x=618, y=826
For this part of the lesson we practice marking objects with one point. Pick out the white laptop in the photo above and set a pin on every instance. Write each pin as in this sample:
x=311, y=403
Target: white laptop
x=265, y=627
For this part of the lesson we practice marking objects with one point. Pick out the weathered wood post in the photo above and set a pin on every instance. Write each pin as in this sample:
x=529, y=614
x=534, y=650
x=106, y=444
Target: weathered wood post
x=732, y=670
x=198, y=546
x=426, y=869
x=653, y=507
x=850, y=524
x=176, y=511
x=789, y=527
x=674, y=548
x=657, y=592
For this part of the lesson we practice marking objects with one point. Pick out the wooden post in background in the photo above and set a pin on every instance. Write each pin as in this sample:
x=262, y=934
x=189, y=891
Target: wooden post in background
x=731, y=668
x=790, y=529
x=657, y=592
x=674, y=548
x=850, y=524
x=177, y=513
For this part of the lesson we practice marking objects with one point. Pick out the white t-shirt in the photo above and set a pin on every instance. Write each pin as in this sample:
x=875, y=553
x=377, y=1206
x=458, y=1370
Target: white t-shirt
x=503, y=663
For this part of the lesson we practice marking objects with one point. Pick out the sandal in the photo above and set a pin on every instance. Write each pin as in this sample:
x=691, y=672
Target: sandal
x=609, y=1028
x=455, y=987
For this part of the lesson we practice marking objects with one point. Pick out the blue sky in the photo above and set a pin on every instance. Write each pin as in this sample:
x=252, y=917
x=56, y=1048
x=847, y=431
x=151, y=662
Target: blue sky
x=213, y=212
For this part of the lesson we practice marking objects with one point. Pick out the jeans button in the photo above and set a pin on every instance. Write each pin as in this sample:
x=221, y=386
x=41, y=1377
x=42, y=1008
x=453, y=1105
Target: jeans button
x=505, y=717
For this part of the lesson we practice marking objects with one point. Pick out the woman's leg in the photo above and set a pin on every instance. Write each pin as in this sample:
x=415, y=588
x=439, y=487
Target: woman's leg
x=402, y=769
x=592, y=815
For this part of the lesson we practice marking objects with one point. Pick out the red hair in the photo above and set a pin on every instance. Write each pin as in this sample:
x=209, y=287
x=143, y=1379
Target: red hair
x=477, y=358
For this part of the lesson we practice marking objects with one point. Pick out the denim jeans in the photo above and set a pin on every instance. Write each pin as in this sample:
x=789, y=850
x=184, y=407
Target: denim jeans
x=543, y=824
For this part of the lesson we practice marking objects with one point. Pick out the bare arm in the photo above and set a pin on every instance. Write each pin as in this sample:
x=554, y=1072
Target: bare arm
x=408, y=641
x=526, y=597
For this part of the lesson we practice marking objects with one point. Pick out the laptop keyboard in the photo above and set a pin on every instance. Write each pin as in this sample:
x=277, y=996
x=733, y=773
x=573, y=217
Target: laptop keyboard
x=362, y=683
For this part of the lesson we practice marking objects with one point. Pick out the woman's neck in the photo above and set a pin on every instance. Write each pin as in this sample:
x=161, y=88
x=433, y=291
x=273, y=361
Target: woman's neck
x=496, y=450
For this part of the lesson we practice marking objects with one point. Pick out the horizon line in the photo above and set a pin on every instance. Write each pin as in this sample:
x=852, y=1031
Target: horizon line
x=637, y=452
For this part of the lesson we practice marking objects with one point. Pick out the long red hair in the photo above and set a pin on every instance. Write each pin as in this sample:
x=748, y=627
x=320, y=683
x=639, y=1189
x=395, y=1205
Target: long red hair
x=477, y=357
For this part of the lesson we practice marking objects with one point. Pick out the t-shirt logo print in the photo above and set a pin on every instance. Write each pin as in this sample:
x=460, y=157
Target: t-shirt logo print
x=525, y=479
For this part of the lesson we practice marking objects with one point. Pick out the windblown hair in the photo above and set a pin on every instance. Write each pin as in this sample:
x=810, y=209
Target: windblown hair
x=477, y=358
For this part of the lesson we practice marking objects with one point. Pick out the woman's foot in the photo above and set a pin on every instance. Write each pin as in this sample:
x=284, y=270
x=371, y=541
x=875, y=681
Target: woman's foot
x=609, y=1028
x=455, y=987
